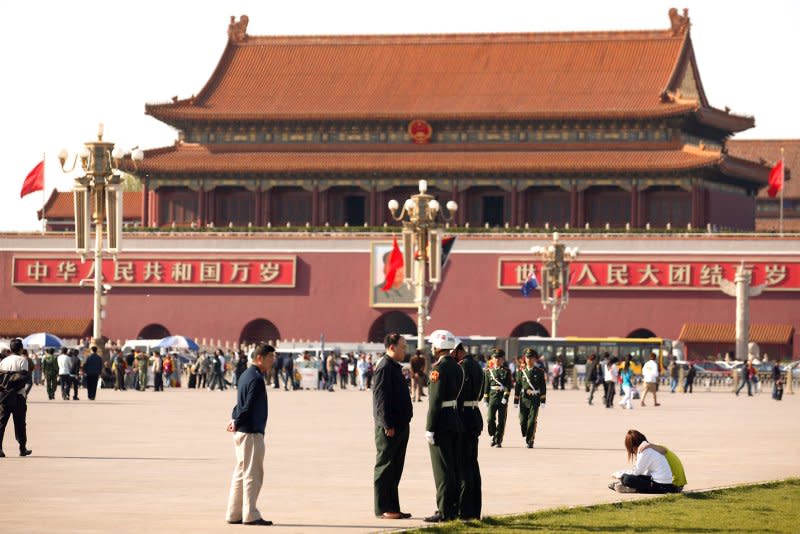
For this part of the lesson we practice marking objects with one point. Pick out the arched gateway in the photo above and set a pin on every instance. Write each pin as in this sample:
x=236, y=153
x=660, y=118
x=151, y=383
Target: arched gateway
x=259, y=330
x=153, y=331
x=393, y=321
x=530, y=328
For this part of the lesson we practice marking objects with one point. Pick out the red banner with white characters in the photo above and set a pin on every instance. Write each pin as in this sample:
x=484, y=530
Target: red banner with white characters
x=263, y=271
x=655, y=275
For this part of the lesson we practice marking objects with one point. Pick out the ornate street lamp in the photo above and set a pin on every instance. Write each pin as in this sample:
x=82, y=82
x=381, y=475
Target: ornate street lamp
x=556, y=258
x=98, y=200
x=421, y=215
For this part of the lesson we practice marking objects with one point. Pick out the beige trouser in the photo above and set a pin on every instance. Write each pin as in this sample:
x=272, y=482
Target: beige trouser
x=247, y=477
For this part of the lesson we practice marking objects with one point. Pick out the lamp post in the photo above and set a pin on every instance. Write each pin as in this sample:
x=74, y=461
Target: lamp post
x=421, y=215
x=98, y=203
x=556, y=258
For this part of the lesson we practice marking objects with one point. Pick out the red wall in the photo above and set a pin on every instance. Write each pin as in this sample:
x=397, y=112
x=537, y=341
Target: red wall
x=332, y=297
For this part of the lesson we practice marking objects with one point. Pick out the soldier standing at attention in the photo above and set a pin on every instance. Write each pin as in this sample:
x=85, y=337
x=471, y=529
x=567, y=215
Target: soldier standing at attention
x=50, y=370
x=443, y=429
x=497, y=388
x=529, y=394
x=468, y=404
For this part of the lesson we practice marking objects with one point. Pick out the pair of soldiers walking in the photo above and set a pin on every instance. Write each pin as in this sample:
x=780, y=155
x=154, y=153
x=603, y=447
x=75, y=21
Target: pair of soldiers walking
x=529, y=394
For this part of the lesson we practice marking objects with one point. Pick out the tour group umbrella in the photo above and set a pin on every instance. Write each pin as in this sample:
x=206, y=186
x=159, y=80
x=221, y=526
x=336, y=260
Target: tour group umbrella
x=177, y=342
x=42, y=340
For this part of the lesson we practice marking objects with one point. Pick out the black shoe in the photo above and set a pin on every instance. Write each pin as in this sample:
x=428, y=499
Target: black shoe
x=530, y=445
x=260, y=522
x=2, y=454
x=494, y=442
x=239, y=522
x=499, y=446
x=25, y=452
x=435, y=518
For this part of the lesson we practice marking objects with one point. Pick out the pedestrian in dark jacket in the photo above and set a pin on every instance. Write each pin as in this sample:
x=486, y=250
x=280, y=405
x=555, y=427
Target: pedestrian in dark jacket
x=92, y=367
x=392, y=410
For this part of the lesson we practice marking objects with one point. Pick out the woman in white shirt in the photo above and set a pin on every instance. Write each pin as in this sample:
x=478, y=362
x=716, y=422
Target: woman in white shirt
x=651, y=472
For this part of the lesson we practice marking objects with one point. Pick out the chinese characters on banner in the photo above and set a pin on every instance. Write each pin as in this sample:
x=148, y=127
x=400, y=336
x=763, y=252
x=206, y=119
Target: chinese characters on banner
x=267, y=271
x=688, y=275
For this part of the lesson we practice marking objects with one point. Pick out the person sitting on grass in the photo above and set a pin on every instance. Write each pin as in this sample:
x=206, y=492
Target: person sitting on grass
x=656, y=469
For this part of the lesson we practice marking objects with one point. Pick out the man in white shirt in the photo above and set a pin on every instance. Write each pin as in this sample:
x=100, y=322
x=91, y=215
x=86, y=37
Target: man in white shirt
x=650, y=374
x=64, y=372
x=13, y=381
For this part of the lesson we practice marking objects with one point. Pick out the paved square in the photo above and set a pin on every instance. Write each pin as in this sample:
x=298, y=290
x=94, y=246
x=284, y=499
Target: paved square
x=133, y=462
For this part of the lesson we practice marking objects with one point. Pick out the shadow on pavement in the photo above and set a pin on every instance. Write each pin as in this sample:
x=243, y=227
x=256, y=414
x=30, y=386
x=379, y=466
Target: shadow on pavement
x=156, y=459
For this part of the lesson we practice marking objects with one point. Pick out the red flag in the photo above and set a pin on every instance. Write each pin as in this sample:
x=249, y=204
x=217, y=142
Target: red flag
x=395, y=263
x=34, y=181
x=775, y=179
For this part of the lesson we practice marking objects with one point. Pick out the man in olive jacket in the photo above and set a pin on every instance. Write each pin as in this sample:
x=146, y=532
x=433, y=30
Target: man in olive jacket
x=392, y=412
x=469, y=409
x=444, y=429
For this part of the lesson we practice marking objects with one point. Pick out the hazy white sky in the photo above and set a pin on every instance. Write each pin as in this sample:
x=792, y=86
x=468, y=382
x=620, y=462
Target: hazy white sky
x=69, y=65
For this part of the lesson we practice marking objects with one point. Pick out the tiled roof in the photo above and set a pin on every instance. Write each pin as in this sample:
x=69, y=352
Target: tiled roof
x=526, y=75
x=61, y=205
x=771, y=334
x=186, y=158
x=770, y=150
x=64, y=328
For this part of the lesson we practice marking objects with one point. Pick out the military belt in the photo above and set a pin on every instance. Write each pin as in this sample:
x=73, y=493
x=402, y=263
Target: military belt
x=532, y=391
x=498, y=388
x=471, y=404
x=449, y=404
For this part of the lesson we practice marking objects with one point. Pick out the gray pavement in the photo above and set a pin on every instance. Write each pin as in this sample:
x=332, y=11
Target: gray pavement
x=161, y=462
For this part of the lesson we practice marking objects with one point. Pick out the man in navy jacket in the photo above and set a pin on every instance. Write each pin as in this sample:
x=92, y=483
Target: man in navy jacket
x=248, y=422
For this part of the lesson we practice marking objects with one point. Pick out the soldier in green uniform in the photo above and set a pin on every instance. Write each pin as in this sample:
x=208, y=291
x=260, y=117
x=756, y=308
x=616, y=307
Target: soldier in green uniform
x=50, y=370
x=142, y=363
x=496, y=389
x=443, y=429
x=529, y=393
x=469, y=409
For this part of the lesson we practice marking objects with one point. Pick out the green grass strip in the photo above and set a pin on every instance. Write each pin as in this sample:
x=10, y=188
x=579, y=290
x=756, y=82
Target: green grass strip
x=764, y=508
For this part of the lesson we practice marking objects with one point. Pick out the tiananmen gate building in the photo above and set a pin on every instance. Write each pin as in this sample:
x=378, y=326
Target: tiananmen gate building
x=602, y=135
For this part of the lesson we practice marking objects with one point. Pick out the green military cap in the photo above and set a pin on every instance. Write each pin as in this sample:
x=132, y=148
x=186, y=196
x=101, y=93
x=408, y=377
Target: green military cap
x=498, y=353
x=530, y=353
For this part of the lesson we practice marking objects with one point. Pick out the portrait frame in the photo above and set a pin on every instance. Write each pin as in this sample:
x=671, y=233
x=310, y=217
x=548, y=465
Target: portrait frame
x=397, y=298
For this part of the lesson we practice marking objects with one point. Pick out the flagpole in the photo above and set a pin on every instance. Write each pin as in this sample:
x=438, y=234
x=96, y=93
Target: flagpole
x=44, y=200
x=783, y=176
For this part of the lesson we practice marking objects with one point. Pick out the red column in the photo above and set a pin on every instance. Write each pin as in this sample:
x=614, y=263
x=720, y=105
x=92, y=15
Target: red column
x=156, y=214
x=201, y=206
x=522, y=206
x=514, y=202
x=211, y=200
x=267, y=203
x=574, y=218
x=259, y=208
x=145, y=204
x=373, y=206
x=634, y=215
x=315, y=206
x=581, y=208
x=323, y=210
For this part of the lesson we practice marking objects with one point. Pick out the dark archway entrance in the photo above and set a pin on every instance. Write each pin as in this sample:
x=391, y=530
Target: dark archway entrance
x=641, y=333
x=259, y=330
x=530, y=328
x=153, y=331
x=394, y=321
